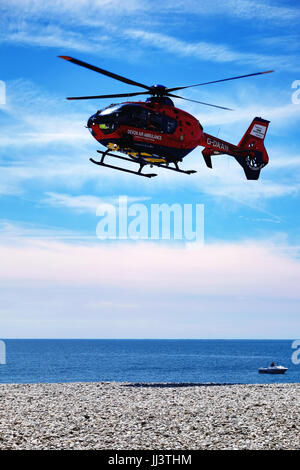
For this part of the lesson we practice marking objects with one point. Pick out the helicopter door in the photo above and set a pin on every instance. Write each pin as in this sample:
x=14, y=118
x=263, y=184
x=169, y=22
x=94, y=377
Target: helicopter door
x=154, y=122
x=133, y=116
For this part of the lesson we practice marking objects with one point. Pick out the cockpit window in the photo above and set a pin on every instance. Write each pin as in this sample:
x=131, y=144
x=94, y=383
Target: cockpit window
x=106, y=121
x=108, y=110
x=137, y=116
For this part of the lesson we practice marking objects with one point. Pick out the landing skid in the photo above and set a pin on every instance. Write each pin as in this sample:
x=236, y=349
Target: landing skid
x=167, y=167
x=140, y=162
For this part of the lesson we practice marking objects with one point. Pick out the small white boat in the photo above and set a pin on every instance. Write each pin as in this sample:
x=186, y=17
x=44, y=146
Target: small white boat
x=272, y=369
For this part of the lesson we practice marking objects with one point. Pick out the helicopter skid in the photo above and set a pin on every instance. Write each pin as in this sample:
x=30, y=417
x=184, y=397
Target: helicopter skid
x=139, y=161
x=139, y=173
x=187, y=172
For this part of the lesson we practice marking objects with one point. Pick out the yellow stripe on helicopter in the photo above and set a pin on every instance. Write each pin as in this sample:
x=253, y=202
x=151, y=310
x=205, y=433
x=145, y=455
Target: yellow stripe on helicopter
x=148, y=157
x=155, y=160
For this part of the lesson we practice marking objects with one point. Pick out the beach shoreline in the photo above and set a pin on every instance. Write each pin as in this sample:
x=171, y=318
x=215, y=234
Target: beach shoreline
x=140, y=416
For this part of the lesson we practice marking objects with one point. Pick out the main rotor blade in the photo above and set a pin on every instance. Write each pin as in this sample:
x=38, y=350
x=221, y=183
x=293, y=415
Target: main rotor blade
x=201, y=102
x=104, y=72
x=216, y=81
x=119, y=95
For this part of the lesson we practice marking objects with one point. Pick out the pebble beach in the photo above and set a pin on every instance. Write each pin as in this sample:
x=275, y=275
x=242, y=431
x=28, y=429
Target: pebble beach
x=149, y=416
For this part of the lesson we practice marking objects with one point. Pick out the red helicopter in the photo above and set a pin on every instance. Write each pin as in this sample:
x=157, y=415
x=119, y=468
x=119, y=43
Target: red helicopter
x=156, y=133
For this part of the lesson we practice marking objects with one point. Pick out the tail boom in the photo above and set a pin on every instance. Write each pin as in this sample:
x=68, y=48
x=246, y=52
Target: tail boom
x=250, y=153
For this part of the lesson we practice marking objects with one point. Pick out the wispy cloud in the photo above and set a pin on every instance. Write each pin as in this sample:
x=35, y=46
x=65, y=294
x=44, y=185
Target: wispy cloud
x=264, y=11
x=34, y=116
x=78, y=27
x=283, y=161
x=20, y=233
x=56, y=36
x=82, y=203
x=85, y=11
x=212, y=52
x=85, y=203
x=51, y=36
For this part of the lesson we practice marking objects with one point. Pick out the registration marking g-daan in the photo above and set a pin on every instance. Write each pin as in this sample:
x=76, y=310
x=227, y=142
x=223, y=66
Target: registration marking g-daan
x=157, y=459
x=218, y=144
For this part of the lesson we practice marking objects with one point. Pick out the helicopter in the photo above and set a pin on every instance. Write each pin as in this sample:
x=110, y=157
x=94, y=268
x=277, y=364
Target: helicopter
x=156, y=133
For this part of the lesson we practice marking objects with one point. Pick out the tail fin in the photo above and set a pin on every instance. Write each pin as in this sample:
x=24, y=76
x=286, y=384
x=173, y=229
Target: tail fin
x=253, y=140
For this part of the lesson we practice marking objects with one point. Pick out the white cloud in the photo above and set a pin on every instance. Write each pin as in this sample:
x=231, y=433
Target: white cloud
x=51, y=36
x=35, y=117
x=85, y=203
x=266, y=267
x=283, y=161
x=262, y=11
x=149, y=290
x=90, y=12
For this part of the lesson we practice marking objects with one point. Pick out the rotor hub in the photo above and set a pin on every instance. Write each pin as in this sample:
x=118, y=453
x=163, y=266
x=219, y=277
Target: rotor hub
x=162, y=99
x=158, y=90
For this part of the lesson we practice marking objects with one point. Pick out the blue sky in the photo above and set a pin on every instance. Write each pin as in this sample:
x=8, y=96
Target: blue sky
x=57, y=278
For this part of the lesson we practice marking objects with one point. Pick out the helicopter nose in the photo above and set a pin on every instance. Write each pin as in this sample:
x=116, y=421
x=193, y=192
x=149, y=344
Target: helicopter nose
x=91, y=124
x=90, y=121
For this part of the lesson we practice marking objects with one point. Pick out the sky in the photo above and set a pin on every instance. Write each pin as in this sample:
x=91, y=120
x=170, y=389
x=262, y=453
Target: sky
x=58, y=280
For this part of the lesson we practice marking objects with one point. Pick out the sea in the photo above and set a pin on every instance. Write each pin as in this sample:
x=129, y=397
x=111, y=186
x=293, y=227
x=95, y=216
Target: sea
x=159, y=361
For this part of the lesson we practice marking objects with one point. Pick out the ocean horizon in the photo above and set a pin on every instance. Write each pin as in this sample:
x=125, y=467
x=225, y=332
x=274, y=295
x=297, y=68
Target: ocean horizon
x=219, y=361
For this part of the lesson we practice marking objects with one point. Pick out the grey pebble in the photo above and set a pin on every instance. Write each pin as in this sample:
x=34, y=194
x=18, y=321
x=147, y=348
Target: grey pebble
x=149, y=416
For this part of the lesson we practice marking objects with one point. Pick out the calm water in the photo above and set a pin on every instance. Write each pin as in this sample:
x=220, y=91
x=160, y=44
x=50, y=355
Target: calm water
x=220, y=361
